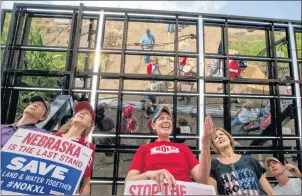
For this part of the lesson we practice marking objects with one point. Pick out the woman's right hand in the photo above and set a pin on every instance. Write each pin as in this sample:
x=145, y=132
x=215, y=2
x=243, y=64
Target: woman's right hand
x=160, y=176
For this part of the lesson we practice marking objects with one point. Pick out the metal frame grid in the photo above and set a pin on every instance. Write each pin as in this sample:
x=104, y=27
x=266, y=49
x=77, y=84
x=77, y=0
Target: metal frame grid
x=17, y=39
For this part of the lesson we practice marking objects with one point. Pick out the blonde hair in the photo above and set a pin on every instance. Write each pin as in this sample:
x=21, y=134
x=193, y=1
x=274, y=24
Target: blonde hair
x=232, y=142
x=154, y=59
x=65, y=128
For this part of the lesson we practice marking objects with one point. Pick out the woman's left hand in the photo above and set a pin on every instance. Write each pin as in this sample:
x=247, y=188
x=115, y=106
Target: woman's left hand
x=208, y=129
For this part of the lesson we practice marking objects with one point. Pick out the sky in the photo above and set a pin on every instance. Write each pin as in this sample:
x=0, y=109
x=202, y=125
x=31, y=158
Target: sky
x=267, y=9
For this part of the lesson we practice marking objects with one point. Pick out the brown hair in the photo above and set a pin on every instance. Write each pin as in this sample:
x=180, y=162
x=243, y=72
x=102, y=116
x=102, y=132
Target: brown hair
x=65, y=128
x=232, y=142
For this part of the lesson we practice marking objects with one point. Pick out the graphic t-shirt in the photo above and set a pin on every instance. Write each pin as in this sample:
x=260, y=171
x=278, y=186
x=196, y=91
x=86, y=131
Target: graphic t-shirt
x=234, y=65
x=176, y=158
x=82, y=141
x=239, y=178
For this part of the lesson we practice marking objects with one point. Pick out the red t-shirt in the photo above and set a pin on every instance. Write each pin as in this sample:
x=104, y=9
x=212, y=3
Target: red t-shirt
x=184, y=61
x=83, y=141
x=174, y=157
x=149, y=69
x=234, y=65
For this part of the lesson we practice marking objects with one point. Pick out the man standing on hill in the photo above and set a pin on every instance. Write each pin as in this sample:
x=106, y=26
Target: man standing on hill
x=36, y=112
x=236, y=67
x=147, y=42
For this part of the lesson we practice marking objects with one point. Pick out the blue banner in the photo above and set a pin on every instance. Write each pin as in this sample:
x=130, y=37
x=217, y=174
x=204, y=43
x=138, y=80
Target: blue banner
x=35, y=176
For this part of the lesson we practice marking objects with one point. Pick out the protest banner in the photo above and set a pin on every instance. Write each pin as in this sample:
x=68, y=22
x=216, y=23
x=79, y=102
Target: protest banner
x=35, y=163
x=149, y=187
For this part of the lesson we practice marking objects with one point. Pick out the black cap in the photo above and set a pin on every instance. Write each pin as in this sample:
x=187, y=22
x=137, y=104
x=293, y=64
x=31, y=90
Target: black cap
x=100, y=109
x=46, y=104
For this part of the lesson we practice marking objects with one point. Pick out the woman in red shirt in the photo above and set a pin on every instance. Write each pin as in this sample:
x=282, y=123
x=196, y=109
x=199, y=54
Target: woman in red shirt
x=77, y=129
x=165, y=160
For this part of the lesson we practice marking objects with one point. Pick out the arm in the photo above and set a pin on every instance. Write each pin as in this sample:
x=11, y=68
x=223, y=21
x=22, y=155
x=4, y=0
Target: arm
x=112, y=126
x=212, y=181
x=134, y=125
x=136, y=175
x=233, y=70
x=153, y=42
x=157, y=175
x=293, y=170
x=266, y=186
x=238, y=111
x=142, y=42
x=201, y=172
x=85, y=189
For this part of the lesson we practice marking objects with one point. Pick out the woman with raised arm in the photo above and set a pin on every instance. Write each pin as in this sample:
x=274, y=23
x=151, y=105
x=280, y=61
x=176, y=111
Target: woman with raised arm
x=235, y=174
x=165, y=160
x=77, y=129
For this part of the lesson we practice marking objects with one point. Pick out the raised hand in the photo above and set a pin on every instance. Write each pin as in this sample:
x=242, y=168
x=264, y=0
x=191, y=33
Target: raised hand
x=293, y=170
x=208, y=129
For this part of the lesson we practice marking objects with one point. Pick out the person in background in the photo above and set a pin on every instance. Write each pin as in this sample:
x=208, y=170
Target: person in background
x=236, y=67
x=151, y=131
x=235, y=174
x=215, y=67
x=183, y=125
x=152, y=67
x=151, y=102
x=171, y=28
x=37, y=111
x=104, y=123
x=265, y=116
x=182, y=62
x=165, y=160
x=77, y=129
x=128, y=125
x=129, y=122
x=286, y=185
x=244, y=116
x=147, y=42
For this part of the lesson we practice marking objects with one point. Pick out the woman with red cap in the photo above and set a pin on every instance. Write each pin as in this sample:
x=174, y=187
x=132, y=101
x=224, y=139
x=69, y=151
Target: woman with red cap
x=128, y=123
x=77, y=129
x=164, y=160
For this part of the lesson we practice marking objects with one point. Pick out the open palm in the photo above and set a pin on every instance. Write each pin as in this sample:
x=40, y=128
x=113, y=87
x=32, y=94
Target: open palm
x=208, y=128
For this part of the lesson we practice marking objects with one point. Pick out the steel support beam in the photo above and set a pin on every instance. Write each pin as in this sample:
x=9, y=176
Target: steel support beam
x=297, y=91
x=97, y=59
x=75, y=46
x=201, y=70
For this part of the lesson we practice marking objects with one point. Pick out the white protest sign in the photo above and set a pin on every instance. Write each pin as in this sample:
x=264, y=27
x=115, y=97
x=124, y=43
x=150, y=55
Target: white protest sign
x=149, y=187
x=35, y=163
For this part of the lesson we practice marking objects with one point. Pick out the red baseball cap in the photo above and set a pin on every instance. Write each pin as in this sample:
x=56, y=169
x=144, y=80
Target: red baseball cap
x=85, y=105
x=128, y=111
